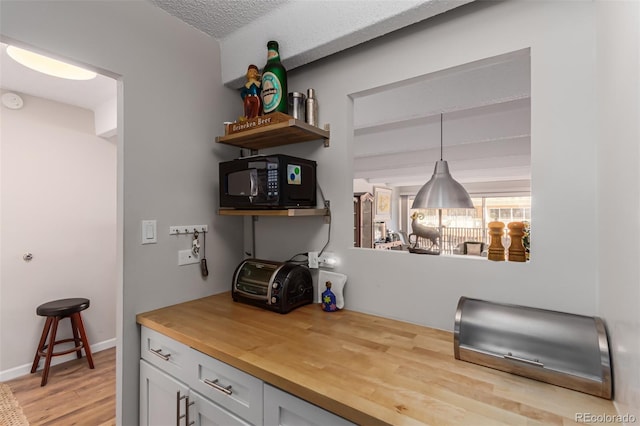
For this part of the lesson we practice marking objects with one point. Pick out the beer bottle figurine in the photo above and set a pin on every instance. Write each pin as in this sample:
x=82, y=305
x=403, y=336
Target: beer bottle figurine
x=274, y=82
x=250, y=93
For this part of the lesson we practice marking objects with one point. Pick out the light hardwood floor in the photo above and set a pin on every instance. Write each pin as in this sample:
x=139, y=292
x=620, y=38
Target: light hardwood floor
x=74, y=394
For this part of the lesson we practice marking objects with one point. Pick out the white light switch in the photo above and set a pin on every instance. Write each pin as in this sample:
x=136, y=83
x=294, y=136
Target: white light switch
x=149, y=234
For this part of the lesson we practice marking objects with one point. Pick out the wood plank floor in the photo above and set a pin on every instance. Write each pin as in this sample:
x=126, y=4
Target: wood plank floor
x=74, y=394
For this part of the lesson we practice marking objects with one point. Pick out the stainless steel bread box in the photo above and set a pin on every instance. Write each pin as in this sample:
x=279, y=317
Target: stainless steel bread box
x=563, y=349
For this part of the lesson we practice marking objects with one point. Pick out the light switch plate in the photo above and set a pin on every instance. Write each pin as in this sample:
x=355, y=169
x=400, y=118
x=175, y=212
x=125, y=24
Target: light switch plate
x=149, y=232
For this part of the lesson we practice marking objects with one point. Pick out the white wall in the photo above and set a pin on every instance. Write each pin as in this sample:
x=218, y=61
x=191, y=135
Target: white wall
x=569, y=260
x=59, y=203
x=171, y=107
x=619, y=193
x=425, y=289
x=167, y=168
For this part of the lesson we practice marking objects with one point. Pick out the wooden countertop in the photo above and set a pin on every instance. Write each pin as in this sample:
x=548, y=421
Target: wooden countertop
x=370, y=370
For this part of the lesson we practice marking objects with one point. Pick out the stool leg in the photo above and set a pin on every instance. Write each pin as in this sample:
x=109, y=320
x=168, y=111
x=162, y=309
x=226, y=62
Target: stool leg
x=83, y=336
x=43, y=338
x=52, y=342
x=76, y=339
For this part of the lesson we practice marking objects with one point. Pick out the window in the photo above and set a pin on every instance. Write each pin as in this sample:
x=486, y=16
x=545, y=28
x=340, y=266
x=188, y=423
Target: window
x=461, y=225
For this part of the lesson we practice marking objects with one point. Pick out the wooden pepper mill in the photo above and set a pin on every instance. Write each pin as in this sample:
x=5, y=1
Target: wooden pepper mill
x=496, y=249
x=516, y=249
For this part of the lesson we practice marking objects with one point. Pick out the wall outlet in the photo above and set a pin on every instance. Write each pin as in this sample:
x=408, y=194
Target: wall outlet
x=186, y=257
x=313, y=260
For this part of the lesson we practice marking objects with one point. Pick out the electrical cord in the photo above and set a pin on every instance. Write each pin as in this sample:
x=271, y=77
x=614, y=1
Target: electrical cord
x=328, y=233
x=301, y=262
x=329, y=211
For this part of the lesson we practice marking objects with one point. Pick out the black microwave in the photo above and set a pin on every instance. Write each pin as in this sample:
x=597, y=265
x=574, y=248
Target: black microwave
x=268, y=181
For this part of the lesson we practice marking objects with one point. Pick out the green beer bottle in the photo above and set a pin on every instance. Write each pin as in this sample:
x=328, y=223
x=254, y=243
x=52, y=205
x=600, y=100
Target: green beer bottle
x=274, y=82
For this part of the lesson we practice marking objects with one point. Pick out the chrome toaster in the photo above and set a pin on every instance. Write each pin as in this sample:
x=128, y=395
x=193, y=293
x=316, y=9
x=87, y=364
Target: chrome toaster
x=276, y=286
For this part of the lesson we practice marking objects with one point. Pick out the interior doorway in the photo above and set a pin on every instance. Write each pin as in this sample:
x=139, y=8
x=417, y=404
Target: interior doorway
x=58, y=207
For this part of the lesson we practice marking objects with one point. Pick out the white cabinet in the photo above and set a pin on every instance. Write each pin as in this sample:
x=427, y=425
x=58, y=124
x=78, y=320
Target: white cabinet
x=181, y=386
x=165, y=353
x=237, y=391
x=167, y=401
x=283, y=409
x=206, y=413
x=162, y=398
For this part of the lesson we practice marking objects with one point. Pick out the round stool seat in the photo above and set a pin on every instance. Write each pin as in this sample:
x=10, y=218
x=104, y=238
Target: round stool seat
x=62, y=307
x=56, y=311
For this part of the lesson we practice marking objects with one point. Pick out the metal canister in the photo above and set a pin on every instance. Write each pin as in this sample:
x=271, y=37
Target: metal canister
x=311, y=112
x=296, y=105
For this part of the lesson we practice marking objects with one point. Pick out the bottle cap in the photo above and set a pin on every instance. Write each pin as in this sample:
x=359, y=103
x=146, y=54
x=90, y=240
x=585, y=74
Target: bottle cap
x=310, y=93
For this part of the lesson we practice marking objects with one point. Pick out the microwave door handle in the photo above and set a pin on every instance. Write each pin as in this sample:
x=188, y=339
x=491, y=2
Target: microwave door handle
x=254, y=183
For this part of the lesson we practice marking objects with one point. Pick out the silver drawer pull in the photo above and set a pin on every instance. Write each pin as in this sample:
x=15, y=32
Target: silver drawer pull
x=214, y=384
x=159, y=353
x=526, y=361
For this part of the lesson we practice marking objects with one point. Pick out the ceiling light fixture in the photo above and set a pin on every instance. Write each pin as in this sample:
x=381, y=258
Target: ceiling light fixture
x=442, y=191
x=49, y=66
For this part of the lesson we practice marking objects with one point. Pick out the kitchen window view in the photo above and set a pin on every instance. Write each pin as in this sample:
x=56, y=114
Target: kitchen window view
x=465, y=225
x=478, y=117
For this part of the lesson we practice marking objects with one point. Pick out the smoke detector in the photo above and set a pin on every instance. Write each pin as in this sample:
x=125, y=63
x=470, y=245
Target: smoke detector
x=12, y=101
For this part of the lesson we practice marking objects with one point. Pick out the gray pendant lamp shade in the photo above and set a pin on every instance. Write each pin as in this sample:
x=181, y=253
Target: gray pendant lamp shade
x=442, y=191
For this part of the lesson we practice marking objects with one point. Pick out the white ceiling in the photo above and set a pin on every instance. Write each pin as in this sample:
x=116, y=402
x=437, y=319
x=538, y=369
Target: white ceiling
x=88, y=94
x=486, y=130
x=219, y=18
x=486, y=105
x=307, y=30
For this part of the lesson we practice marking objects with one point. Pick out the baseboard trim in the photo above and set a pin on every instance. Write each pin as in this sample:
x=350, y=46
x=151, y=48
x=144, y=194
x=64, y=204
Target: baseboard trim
x=25, y=369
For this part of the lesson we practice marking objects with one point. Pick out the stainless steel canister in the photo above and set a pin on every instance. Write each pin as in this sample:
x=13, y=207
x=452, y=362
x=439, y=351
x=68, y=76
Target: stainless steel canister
x=311, y=113
x=296, y=105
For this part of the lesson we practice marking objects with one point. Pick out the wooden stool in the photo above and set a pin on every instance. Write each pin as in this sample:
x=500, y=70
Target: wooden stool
x=55, y=311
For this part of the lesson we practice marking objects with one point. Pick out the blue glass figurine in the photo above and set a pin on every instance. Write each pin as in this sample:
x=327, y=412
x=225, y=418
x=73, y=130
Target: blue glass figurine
x=329, y=299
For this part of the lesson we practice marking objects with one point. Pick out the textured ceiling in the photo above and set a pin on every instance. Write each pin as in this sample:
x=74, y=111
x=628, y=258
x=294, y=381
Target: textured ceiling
x=307, y=30
x=218, y=18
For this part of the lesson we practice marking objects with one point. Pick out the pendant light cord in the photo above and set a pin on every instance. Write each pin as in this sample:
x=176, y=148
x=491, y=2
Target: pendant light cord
x=441, y=136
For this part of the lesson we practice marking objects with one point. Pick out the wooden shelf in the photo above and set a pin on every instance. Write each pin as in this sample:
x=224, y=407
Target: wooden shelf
x=285, y=212
x=277, y=134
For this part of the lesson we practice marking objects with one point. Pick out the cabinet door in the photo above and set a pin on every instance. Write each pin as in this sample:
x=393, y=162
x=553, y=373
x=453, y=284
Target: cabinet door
x=206, y=413
x=162, y=398
x=284, y=409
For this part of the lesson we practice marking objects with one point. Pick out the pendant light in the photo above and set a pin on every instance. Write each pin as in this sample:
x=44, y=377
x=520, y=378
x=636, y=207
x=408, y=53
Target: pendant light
x=442, y=191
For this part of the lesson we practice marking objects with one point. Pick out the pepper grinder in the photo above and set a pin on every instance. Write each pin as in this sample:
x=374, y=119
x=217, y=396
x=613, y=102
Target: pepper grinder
x=516, y=249
x=311, y=110
x=496, y=249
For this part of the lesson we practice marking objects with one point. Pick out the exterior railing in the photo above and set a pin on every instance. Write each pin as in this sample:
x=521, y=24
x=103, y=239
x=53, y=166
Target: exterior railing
x=452, y=237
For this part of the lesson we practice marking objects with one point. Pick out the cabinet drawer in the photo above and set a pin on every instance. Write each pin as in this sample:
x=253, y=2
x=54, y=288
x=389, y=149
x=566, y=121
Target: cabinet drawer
x=233, y=389
x=205, y=412
x=165, y=353
x=284, y=409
